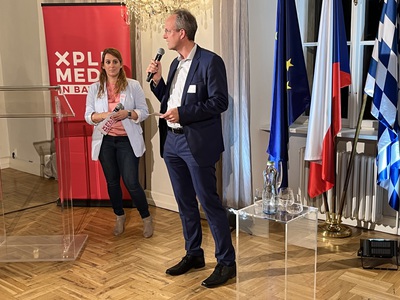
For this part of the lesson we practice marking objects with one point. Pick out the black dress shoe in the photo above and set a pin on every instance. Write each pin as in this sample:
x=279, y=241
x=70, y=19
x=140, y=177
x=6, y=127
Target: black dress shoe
x=220, y=275
x=188, y=262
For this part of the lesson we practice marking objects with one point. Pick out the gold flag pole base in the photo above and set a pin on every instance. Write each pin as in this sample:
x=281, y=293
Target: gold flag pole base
x=334, y=229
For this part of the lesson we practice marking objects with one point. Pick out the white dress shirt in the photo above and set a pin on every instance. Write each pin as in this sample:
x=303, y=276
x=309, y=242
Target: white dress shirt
x=178, y=83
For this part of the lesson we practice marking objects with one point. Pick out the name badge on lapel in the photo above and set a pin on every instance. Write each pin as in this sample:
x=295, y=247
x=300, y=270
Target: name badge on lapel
x=192, y=89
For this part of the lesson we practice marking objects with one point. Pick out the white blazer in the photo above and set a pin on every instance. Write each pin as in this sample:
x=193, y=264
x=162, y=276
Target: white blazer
x=133, y=99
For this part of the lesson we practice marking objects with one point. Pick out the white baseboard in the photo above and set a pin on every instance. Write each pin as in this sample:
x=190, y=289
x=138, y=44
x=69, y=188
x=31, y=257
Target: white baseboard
x=24, y=166
x=161, y=200
x=4, y=163
x=167, y=202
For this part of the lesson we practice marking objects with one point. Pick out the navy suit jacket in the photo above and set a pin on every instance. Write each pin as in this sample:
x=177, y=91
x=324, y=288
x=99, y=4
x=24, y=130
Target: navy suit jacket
x=204, y=98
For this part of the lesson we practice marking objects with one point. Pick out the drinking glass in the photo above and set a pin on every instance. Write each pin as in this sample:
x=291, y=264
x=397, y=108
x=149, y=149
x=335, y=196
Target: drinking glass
x=258, y=201
x=269, y=204
x=257, y=195
x=285, y=197
x=297, y=207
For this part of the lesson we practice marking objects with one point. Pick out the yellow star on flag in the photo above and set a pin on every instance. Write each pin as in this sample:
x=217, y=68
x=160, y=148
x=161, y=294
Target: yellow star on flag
x=288, y=64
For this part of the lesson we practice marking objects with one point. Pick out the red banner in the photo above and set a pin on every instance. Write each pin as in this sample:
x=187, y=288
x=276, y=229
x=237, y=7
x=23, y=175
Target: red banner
x=76, y=35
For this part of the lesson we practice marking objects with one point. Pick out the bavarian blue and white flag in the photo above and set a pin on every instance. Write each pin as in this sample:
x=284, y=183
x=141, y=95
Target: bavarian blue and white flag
x=383, y=86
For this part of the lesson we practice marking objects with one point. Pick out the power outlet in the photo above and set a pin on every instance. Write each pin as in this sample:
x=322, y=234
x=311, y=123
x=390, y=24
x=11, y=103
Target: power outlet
x=14, y=154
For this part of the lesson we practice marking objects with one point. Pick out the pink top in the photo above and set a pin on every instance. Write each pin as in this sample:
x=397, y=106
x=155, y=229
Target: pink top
x=117, y=128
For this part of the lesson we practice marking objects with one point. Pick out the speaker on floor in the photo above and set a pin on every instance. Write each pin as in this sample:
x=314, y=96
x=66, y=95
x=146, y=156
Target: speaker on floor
x=379, y=254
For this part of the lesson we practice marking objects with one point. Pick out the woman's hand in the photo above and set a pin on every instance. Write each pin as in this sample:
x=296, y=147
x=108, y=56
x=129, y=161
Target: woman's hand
x=123, y=114
x=98, y=117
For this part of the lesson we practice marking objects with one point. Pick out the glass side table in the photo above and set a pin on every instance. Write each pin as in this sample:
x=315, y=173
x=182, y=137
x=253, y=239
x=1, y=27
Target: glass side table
x=276, y=255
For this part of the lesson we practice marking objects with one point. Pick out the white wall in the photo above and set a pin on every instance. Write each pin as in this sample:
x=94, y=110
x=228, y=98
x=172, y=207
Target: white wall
x=262, y=36
x=4, y=140
x=21, y=65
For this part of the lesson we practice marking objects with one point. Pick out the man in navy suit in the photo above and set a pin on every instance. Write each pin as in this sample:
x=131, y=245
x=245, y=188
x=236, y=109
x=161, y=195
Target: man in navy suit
x=192, y=100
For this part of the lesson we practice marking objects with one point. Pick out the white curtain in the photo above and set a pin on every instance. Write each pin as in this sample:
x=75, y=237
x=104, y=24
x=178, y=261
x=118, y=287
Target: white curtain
x=236, y=160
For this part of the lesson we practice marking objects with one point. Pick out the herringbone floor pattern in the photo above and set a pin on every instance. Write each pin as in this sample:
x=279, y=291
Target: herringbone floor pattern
x=132, y=267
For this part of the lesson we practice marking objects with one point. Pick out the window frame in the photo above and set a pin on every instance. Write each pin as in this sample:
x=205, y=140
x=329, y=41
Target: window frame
x=357, y=45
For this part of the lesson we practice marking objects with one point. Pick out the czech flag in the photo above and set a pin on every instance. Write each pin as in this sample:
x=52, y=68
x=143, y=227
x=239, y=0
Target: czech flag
x=332, y=72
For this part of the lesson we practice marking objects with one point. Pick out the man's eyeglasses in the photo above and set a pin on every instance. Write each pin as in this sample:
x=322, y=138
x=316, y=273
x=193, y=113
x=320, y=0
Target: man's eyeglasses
x=166, y=31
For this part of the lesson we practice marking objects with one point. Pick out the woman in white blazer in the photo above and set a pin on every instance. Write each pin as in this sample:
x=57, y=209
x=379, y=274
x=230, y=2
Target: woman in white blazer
x=120, y=144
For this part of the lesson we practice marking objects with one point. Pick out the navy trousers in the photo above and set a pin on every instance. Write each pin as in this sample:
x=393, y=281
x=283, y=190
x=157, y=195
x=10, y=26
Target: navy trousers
x=188, y=181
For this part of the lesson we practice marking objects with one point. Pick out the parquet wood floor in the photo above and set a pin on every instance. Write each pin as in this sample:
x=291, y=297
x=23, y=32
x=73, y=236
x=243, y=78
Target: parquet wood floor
x=132, y=267
x=22, y=190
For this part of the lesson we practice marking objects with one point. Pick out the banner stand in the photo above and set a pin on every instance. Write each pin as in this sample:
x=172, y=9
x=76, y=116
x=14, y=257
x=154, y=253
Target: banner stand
x=74, y=63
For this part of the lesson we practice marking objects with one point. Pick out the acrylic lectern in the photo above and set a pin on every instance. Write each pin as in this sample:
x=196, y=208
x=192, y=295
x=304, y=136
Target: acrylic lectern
x=276, y=255
x=36, y=113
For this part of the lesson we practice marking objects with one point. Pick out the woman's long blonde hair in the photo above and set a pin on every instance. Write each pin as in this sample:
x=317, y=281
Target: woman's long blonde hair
x=122, y=83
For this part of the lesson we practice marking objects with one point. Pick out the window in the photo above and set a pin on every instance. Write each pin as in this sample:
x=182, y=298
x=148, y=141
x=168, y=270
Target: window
x=361, y=23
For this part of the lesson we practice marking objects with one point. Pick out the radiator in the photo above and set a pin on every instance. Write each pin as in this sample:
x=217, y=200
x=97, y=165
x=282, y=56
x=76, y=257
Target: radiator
x=363, y=200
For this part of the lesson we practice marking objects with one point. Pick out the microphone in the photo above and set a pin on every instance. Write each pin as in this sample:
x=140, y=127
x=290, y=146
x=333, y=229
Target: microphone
x=118, y=107
x=108, y=122
x=159, y=54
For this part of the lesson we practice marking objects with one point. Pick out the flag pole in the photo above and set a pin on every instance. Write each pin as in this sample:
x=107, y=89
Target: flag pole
x=351, y=160
x=333, y=226
x=328, y=215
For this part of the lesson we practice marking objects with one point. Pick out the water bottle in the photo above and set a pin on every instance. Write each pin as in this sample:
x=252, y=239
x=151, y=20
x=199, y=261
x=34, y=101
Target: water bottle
x=269, y=191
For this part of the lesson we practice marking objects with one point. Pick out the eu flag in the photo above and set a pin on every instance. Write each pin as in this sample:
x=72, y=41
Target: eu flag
x=291, y=92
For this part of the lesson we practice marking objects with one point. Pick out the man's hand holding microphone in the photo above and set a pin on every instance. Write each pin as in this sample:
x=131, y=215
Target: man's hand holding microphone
x=154, y=70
